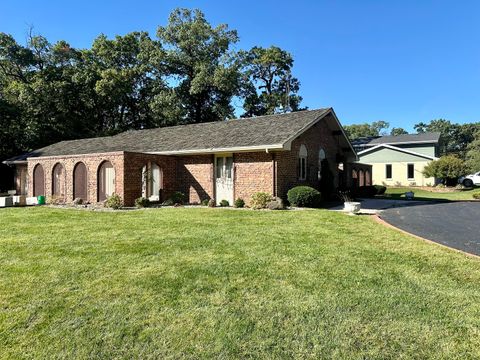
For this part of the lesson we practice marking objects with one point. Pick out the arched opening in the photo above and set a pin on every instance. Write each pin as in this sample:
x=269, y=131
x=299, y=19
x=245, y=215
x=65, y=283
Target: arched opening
x=321, y=156
x=361, y=178
x=354, y=178
x=58, y=181
x=302, y=163
x=38, y=180
x=106, y=180
x=152, y=181
x=368, y=178
x=80, y=184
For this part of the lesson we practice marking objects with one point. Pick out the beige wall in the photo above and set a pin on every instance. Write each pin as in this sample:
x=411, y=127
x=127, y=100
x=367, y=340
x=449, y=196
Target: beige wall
x=399, y=174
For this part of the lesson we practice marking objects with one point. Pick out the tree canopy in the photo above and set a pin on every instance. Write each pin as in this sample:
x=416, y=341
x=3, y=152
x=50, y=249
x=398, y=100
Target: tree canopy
x=190, y=72
x=376, y=128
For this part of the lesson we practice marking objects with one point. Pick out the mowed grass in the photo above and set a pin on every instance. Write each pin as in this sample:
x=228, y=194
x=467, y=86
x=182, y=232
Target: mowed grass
x=422, y=194
x=215, y=283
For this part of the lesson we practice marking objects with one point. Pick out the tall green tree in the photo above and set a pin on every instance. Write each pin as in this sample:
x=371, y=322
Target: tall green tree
x=473, y=154
x=454, y=137
x=356, y=131
x=268, y=84
x=448, y=168
x=204, y=73
x=398, y=131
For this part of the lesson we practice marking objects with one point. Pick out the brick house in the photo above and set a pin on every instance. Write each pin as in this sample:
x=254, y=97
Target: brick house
x=218, y=160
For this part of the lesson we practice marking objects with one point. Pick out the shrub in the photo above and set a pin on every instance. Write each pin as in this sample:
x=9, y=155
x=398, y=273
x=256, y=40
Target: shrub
x=78, y=201
x=178, y=197
x=476, y=195
x=239, y=203
x=114, y=202
x=211, y=203
x=365, y=191
x=224, y=203
x=304, y=196
x=205, y=202
x=168, y=202
x=142, y=202
x=276, y=204
x=380, y=189
x=448, y=168
x=260, y=200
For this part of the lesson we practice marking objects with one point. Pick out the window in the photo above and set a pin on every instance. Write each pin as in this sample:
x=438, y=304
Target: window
x=410, y=171
x=321, y=157
x=302, y=163
x=388, y=171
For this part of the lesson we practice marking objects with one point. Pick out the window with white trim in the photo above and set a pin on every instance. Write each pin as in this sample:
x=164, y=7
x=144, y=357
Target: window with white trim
x=410, y=171
x=302, y=163
x=388, y=171
x=321, y=157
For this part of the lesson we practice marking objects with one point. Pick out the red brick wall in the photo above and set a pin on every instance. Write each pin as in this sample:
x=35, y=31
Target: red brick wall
x=92, y=162
x=134, y=163
x=253, y=173
x=317, y=137
x=195, y=177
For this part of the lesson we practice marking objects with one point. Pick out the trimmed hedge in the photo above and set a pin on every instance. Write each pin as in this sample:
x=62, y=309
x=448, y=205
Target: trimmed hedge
x=380, y=189
x=142, y=202
x=304, y=196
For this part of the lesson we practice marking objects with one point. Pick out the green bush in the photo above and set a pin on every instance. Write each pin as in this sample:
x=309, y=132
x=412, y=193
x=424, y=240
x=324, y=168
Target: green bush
x=178, y=197
x=211, y=203
x=205, y=202
x=114, y=202
x=224, y=203
x=304, y=196
x=142, y=202
x=365, y=191
x=260, y=200
x=380, y=189
x=239, y=203
x=476, y=195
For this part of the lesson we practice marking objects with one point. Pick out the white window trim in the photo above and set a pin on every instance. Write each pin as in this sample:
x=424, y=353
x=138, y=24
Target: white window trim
x=302, y=155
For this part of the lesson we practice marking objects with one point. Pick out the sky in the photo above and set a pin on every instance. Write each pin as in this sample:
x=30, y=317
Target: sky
x=399, y=61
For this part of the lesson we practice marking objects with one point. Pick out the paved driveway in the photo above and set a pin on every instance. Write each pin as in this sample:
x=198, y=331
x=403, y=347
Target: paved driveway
x=455, y=224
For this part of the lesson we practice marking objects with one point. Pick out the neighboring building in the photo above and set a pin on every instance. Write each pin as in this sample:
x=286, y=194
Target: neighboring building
x=399, y=160
x=218, y=160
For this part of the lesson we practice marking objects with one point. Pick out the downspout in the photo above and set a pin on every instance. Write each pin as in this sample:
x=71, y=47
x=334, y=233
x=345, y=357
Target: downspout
x=274, y=175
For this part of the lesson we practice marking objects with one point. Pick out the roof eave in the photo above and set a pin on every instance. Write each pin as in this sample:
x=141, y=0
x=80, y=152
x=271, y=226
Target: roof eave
x=256, y=148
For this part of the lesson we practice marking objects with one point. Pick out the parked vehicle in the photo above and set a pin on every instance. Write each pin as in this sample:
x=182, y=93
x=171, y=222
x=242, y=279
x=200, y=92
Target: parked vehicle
x=470, y=180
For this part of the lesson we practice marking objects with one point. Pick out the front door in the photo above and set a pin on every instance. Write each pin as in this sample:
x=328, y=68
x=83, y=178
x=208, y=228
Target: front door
x=224, y=179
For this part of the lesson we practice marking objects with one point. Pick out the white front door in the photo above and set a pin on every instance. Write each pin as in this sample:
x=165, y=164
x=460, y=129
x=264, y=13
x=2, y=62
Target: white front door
x=224, y=179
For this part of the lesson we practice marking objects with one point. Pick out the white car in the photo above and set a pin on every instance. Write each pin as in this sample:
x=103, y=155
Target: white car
x=470, y=180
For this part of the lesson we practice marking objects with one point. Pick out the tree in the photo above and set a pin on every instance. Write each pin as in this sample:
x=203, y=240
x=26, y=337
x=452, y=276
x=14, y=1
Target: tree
x=448, y=168
x=268, y=84
x=202, y=67
x=472, y=161
x=376, y=128
x=398, y=131
x=454, y=137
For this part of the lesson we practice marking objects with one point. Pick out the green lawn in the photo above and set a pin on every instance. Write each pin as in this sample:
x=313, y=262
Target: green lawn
x=219, y=283
x=422, y=194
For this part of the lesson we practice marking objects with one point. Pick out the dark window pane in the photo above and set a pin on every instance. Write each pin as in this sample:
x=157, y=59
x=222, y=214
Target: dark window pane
x=388, y=171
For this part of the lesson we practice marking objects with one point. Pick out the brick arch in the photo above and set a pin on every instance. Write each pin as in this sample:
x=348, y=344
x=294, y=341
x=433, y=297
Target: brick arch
x=106, y=181
x=58, y=181
x=368, y=178
x=355, y=178
x=80, y=181
x=38, y=180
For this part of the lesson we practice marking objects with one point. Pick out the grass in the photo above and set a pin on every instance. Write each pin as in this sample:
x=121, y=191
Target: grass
x=423, y=194
x=219, y=283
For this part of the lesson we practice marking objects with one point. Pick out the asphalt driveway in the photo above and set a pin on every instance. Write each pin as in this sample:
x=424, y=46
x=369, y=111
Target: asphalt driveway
x=455, y=224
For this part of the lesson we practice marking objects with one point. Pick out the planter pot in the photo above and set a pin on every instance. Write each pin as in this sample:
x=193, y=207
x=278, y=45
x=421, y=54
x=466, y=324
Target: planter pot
x=351, y=207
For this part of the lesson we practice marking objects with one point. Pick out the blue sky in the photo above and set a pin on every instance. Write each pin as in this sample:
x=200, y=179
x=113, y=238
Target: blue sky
x=402, y=62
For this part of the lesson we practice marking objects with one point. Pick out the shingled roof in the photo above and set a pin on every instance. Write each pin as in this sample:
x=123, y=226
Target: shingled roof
x=426, y=137
x=262, y=132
